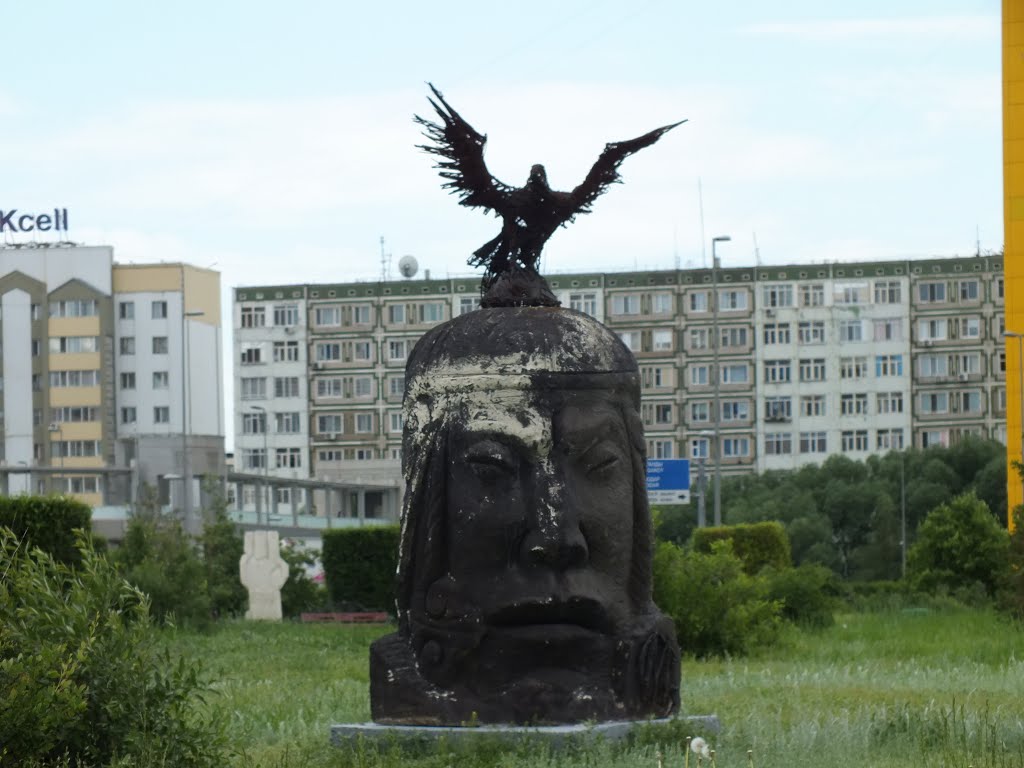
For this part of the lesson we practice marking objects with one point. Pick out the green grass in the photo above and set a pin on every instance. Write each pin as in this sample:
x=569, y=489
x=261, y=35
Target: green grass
x=886, y=689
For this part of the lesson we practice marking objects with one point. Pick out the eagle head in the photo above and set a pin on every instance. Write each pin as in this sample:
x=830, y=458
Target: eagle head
x=538, y=177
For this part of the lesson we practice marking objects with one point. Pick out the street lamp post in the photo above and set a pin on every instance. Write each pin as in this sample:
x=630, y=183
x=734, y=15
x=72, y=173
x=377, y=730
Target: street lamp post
x=186, y=379
x=266, y=461
x=718, y=378
x=56, y=427
x=1020, y=389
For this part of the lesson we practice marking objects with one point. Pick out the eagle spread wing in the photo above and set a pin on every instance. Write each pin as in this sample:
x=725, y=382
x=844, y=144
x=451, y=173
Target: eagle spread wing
x=605, y=171
x=460, y=152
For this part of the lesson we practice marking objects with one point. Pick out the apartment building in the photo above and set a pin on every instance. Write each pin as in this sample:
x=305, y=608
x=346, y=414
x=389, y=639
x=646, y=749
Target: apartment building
x=794, y=364
x=120, y=365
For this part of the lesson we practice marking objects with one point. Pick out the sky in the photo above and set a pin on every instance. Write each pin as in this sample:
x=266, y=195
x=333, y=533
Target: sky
x=275, y=142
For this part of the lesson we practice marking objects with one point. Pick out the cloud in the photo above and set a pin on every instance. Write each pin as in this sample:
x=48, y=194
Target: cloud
x=916, y=29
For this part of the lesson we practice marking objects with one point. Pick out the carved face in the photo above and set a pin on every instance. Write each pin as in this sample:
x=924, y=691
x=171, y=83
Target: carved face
x=540, y=513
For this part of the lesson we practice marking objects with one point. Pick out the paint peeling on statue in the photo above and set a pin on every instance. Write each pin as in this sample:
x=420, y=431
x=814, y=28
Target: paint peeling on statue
x=524, y=577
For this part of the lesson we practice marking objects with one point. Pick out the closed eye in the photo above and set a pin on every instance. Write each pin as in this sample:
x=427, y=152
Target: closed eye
x=490, y=460
x=602, y=459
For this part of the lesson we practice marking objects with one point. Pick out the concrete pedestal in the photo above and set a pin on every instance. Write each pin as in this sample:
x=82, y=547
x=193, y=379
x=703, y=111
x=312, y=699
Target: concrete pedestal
x=554, y=736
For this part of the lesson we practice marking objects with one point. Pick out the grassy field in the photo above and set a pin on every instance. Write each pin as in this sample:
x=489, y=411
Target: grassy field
x=884, y=689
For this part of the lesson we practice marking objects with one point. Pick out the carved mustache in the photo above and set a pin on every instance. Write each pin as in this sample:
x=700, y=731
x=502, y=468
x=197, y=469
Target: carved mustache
x=582, y=611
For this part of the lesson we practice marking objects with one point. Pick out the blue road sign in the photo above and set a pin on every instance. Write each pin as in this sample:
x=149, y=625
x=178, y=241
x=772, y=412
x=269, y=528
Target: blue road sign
x=668, y=481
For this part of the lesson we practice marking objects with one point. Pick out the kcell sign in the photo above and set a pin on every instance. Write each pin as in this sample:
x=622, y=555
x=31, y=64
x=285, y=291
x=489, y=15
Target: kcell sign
x=13, y=221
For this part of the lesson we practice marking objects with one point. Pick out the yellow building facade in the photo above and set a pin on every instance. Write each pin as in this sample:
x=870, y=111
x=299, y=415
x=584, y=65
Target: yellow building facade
x=1013, y=222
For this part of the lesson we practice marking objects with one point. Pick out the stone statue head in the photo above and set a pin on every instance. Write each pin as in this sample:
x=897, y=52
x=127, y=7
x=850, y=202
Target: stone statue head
x=524, y=580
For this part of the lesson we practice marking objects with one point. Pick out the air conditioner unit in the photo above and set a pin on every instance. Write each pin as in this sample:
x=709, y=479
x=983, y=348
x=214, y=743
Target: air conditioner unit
x=318, y=366
x=54, y=427
x=290, y=329
x=926, y=342
x=332, y=436
x=769, y=313
x=964, y=377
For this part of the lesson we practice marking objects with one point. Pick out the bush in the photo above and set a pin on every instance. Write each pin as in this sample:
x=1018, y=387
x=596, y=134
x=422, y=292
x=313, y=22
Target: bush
x=159, y=558
x=757, y=545
x=716, y=606
x=359, y=566
x=223, y=546
x=47, y=522
x=300, y=593
x=807, y=594
x=82, y=675
x=957, y=544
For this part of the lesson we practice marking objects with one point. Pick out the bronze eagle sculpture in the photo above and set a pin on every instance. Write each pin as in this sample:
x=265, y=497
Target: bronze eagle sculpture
x=530, y=214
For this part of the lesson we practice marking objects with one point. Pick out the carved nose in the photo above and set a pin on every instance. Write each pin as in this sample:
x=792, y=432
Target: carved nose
x=561, y=548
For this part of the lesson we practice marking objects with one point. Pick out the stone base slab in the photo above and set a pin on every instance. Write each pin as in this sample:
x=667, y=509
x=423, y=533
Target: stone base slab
x=554, y=736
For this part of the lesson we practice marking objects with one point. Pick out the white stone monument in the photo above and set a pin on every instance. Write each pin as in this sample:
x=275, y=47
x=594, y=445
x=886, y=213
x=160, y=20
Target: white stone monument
x=263, y=573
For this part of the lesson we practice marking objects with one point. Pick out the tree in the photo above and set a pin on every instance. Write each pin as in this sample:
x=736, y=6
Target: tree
x=959, y=544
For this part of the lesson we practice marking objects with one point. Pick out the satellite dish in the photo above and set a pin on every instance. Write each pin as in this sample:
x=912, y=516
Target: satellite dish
x=408, y=265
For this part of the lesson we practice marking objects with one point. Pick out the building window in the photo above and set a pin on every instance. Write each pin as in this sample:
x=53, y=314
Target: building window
x=286, y=386
x=734, y=338
x=254, y=388
x=853, y=367
x=60, y=345
x=159, y=345
x=777, y=371
x=968, y=402
x=661, y=449
x=254, y=317
x=329, y=423
x=254, y=458
x=812, y=295
x=161, y=380
x=286, y=314
x=330, y=454
x=327, y=316
x=700, y=411
x=395, y=421
x=732, y=301
x=969, y=327
x=931, y=293
x=777, y=295
x=288, y=423
x=888, y=365
x=661, y=304
x=361, y=314
x=74, y=308
x=254, y=423
x=811, y=332
x=778, y=409
x=777, y=333
x=625, y=304
x=361, y=350
x=812, y=369
x=127, y=345
x=398, y=349
x=364, y=422
x=888, y=292
x=812, y=405
x=74, y=448
x=159, y=310
x=813, y=442
x=469, y=304
x=778, y=443
x=631, y=339
x=663, y=413
x=735, y=374
x=851, y=330
x=699, y=338
x=735, y=410
x=328, y=388
x=934, y=402
x=128, y=415
x=286, y=351
x=853, y=404
x=362, y=387
x=968, y=290
x=888, y=329
x=699, y=375
x=161, y=415
x=128, y=380
x=126, y=310
x=932, y=365
x=396, y=386
x=889, y=402
x=889, y=440
x=854, y=440
x=59, y=379
x=288, y=458
x=328, y=351
x=850, y=293
x=252, y=354
x=431, y=312
x=700, y=448
x=699, y=301
x=73, y=414
x=396, y=314
x=735, y=447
